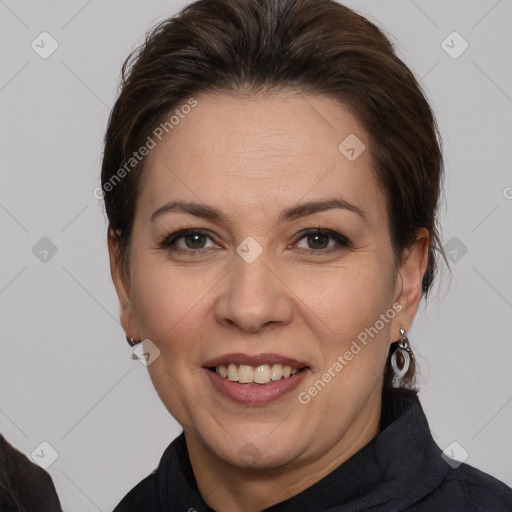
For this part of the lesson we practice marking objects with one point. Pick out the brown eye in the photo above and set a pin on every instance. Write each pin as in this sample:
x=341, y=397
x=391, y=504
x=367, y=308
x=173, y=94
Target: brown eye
x=195, y=241
x=318, y=241
x=187, y=241
x=323, y=241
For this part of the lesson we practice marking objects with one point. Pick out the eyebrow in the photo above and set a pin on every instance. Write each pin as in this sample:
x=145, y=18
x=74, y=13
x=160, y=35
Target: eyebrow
x=294, y=212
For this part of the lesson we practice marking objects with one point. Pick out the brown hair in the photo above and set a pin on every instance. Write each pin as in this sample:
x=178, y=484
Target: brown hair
x=310, y=46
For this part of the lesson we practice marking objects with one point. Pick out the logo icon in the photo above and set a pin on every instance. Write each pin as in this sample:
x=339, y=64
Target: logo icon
x=249, y=250
x=146, y=352
x=454, y=45
x=455, y=249
x=44, y=45
x=44, y=250
x=454, y=454
x=352, y=147
x=249, y=453
x=44, y=455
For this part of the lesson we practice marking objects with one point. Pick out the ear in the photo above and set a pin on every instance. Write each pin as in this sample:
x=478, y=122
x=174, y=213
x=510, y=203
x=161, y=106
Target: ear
x=123, y=288
x=408, y=282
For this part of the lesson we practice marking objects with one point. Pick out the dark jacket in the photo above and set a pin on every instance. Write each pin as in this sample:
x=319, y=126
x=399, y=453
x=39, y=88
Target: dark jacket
x=24, y=486
x=401, y=469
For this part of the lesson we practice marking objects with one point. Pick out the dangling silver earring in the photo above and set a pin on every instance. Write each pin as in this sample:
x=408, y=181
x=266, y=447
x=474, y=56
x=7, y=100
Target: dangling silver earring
x=405, y=352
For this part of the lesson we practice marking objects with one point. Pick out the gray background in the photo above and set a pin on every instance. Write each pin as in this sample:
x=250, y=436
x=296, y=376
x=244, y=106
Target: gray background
x=66, y=376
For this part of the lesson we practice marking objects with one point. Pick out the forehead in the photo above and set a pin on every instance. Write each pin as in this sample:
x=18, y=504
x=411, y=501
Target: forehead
x=260, y=151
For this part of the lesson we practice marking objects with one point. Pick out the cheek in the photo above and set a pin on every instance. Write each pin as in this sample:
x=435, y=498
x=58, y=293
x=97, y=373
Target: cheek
x=170, y=310
x=168, y=301
x=349, y=296
x=344, y=308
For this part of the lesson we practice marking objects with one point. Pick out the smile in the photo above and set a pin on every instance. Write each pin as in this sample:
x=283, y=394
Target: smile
x=255, y=379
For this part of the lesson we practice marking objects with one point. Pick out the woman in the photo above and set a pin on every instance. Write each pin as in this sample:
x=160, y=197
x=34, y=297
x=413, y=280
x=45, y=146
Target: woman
x=271, y=177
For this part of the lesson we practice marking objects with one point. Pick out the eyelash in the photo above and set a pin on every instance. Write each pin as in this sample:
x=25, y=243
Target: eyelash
x=171, y=239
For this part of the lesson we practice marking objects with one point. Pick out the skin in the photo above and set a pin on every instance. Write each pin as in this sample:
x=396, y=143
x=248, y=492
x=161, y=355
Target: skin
x=252, y=157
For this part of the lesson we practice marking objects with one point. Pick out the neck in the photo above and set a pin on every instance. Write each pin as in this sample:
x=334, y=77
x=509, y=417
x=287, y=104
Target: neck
x=229, y=488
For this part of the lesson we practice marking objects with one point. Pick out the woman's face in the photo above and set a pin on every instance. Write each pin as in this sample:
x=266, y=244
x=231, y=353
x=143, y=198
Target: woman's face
x=254, y=282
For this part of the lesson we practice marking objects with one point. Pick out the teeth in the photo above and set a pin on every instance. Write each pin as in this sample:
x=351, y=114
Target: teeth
x=276, y=371
x=261, y=374
x=245, y=373
x=232, y=372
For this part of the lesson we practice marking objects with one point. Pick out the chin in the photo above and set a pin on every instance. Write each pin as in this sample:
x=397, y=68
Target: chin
x=249, y=452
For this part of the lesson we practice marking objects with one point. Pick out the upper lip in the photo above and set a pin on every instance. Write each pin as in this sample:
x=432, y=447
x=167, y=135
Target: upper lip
x=254, y=360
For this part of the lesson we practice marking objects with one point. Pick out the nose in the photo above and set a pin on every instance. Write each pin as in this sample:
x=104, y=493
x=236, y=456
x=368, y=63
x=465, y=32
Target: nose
x=254, y=297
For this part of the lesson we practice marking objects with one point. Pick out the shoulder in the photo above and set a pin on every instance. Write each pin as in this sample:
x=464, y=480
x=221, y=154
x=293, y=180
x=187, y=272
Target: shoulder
x=467, y=489
x=483, y=491
x=142, y=497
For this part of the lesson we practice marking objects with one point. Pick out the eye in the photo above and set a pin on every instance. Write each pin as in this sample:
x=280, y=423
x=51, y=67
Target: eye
x=194, y=242
x=323, y=241
x=187, y=241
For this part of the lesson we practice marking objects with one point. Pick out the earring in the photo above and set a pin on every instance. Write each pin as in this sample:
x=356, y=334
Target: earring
x=130, y=341
x=405, y=351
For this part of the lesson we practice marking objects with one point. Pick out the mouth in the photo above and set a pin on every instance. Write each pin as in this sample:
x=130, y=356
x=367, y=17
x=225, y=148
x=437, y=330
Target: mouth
x=255, y=380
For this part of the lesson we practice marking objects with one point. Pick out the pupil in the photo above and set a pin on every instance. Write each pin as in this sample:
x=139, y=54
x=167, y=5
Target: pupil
x=316, y=237
x=196, y=243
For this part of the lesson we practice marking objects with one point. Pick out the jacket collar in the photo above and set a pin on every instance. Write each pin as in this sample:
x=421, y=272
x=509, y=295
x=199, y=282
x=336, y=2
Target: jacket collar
x=397, y=468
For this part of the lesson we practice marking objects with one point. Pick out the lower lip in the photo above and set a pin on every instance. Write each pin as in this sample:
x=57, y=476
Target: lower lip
x=255, y=394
